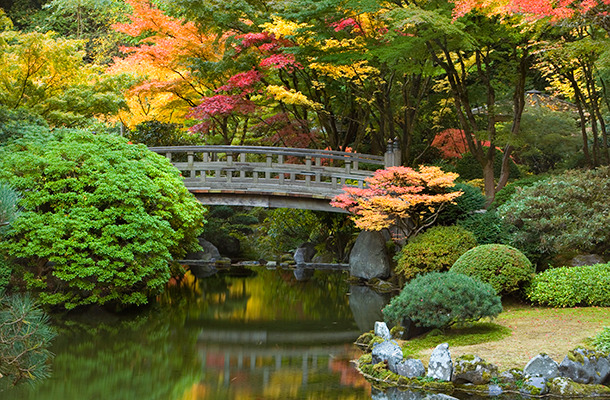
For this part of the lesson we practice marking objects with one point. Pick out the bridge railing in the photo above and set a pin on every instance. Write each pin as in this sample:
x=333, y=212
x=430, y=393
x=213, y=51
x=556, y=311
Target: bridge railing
x=260, y=167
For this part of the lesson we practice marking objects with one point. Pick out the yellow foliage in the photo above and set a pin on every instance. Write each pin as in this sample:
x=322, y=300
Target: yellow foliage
x=291, y=96
x=282, y=28
x=358, y=70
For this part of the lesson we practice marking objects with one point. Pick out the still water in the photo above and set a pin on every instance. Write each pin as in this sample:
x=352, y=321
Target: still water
x=241, y=334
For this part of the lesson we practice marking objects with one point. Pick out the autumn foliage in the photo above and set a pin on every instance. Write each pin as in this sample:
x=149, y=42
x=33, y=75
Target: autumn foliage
x=402, y=197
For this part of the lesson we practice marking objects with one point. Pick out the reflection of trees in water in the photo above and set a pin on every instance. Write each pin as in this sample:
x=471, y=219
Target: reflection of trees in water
x=146, y=357
x=277, y=295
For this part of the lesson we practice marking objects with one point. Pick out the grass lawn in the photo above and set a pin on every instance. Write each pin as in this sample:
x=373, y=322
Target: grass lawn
x=518, y=334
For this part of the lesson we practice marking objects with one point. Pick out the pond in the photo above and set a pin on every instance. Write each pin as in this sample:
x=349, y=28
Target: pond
x=249, y=333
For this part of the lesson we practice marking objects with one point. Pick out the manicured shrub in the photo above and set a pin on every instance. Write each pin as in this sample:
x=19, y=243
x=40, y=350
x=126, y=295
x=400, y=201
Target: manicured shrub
x=434, y=250
x=505, y=268
x=442, y=299
x=471, y=200
x=572, y=286
x=562, y=214
x=487, y=227
x=101, y=218
x=507, y=191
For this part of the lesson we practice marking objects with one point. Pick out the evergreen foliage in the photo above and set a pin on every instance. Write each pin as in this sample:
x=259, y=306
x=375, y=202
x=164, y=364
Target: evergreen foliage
x=101, y=219
x=442, y=299
x=505, y=268
x=562, y=214
x=434, y=250
x=471, y=200
x=487, y=227
x=601, y=341
x=25, y=335
x=572, y=286
x=469, y=168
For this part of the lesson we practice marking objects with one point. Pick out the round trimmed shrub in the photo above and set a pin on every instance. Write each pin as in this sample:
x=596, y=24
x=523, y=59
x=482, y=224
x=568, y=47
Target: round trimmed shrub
x=505, y=268
x=100, y=220
x=437, y=249
x=442, y=299
x=586, y=285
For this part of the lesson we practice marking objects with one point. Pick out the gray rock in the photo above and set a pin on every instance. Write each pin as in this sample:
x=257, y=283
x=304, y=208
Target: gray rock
x=542, y=365
x=473, y=369
x=369, y=258
x=439, y=396
x=208, y=252
x=494, y=390
x=586, y=259
x=381, y=330
x=585, y=366
x=366, y=305
x=304, y=253
x=535, y=386
x=511, y=376
x=397, y=394
x=377, y=394
x=440, y=366
x=388, y=352
x=564, y=387
x=410, y=368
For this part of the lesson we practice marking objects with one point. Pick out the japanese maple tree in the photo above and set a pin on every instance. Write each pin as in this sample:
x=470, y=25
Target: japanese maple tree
x=401, y=197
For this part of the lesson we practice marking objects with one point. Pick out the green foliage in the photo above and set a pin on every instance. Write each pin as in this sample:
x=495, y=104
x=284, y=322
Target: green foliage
x=442, y=299
x=286, y=229
x=507, y=191
x=469, y=168
x=434, y=250
x=487, y=227
x=561, y=214
x=601, y=341
x=572, y=286
x=17, y=123
x=25, y=335
x=505, y=268
x=470, y=201
x=156, y=133
x=101, y=218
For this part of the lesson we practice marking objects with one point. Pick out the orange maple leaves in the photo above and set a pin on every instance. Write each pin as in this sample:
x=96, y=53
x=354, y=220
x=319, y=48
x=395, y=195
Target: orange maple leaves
x=531, y=9
x=399, y=196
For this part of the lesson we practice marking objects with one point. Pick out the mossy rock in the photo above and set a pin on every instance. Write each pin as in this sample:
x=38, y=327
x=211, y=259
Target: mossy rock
x=568, y=388
x=473, y=369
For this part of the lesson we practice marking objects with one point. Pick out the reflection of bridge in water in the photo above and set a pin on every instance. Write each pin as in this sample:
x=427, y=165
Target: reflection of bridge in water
x=273, y=177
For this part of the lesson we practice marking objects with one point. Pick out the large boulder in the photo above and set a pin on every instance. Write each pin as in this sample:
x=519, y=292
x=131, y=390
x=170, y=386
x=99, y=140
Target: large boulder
x=586, y=366
x=389, y=352
x=410, y=368
x=304, y=253
x=564, y=387
x=208, y=252
x=473, y=369
x=542, y=365
x=369, y=257
x=440, y=366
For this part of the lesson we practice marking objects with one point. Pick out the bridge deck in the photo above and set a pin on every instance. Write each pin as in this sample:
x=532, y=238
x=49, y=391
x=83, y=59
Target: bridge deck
x=271, y=176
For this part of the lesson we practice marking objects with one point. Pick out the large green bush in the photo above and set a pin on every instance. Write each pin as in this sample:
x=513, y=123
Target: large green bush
x=505, y=268
x=434, y=250
x=441, y=299
x=563, y=214
x=572, y=286
x=101, y=219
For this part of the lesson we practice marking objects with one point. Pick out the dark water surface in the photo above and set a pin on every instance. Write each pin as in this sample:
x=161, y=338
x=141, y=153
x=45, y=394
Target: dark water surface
x=244, y=334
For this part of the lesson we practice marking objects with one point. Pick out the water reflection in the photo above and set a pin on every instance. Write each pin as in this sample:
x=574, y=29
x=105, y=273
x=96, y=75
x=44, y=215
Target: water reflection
x=247, y=334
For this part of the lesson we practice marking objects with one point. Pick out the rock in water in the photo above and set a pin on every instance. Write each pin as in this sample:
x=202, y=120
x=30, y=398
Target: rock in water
x=542, y=365
x=304, y=253
x=473, y=369
x=369, y=258
x=388, y=351
x=410, y=368
x=381, y=330
x=440, y=366
x=585, y=366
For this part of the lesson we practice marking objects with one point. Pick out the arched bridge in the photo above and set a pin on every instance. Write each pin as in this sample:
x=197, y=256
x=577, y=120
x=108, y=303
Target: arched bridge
x=273, y=177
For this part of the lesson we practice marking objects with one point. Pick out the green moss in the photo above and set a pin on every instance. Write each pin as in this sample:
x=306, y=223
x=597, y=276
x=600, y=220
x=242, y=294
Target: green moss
x=366, y=359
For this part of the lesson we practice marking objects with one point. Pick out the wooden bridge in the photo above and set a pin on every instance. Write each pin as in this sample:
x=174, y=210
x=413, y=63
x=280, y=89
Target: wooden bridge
x=273, y=177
